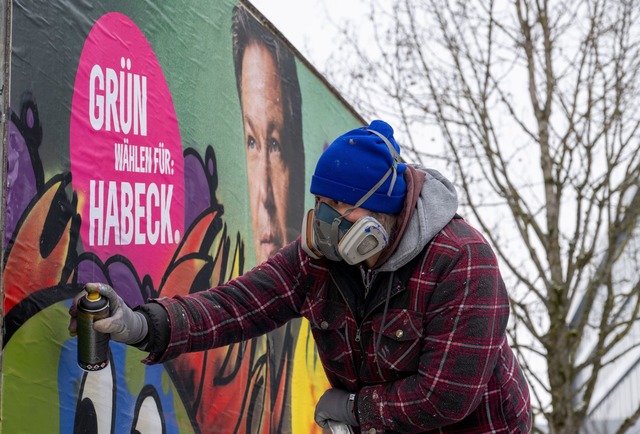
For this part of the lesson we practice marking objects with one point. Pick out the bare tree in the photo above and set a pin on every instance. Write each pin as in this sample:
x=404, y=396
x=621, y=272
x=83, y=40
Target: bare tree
x=537, y=103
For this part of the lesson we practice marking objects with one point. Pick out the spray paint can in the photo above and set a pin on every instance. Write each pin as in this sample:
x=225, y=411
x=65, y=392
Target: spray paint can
x=93, y=346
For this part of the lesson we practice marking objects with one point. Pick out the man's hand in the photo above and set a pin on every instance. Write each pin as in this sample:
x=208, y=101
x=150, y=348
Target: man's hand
x=124, y=325
x=337, y=405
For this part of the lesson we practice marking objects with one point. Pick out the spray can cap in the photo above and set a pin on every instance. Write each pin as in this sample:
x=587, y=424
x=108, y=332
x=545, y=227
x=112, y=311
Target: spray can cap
x=93, y=296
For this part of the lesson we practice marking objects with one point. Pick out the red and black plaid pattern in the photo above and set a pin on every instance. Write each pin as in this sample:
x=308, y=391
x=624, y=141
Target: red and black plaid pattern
x=432, y=358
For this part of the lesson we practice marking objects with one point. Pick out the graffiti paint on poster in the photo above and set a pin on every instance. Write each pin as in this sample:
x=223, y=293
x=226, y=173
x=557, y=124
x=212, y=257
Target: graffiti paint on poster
x=128, y=162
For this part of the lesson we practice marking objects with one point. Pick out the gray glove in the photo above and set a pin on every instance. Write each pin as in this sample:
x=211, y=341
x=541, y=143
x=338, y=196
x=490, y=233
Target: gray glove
x=124, y=325
x=337, y=405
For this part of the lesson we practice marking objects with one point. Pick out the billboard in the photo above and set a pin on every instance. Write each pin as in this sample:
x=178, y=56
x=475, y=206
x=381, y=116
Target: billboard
x=163, y=149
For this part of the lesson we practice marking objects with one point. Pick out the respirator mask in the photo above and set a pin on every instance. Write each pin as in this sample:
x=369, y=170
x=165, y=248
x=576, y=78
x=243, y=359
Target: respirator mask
x=326, y=232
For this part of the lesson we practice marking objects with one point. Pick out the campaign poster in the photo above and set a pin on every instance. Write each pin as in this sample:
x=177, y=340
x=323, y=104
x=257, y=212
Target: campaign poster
x=162, y=148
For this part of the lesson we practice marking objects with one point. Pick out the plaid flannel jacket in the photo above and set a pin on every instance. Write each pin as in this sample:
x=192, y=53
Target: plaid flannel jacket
x=427, y=353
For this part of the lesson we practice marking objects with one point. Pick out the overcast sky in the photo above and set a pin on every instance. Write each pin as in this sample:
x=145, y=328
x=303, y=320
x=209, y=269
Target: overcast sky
x=307, y=24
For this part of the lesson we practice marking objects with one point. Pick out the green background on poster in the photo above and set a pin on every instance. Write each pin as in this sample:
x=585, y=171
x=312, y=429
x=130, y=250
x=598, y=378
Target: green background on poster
x=186, y=46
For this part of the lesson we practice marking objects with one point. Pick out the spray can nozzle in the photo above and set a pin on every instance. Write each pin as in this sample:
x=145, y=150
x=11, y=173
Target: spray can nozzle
x=93, y=296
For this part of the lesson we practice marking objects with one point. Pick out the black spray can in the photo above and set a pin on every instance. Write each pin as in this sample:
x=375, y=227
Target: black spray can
x=93, y=347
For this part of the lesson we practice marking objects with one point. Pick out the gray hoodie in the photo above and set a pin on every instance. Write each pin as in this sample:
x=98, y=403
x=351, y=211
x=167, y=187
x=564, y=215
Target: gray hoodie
x=431, y=203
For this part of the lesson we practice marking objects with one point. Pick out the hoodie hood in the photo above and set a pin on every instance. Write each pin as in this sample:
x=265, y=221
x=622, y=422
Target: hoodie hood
x=429, y=213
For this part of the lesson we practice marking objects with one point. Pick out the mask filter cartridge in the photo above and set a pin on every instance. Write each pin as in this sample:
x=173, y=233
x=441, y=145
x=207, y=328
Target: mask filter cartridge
x=327, y=233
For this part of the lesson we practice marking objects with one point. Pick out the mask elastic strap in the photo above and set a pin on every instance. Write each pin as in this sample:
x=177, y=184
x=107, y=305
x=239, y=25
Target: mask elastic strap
x=363, y=199
x=392, y=170
x=335, y=229
x=396, y=159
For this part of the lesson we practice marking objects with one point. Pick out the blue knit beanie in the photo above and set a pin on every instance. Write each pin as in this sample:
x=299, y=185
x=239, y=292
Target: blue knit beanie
x=355, y=162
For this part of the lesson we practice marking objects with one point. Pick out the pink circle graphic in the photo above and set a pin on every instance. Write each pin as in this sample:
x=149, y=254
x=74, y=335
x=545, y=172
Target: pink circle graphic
x=126, y=153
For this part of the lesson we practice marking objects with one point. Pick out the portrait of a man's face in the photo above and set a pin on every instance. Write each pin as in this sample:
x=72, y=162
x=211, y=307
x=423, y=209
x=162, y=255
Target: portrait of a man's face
x=271, y=107
x=263, y=119
x=272, y=142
